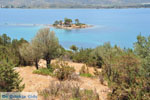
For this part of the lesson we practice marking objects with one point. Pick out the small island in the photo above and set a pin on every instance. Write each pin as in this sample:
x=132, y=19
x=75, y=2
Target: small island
x=68, y=24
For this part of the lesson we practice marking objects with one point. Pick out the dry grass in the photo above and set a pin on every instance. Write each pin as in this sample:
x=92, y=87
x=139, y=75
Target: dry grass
x=68, y=90
x=35, y=82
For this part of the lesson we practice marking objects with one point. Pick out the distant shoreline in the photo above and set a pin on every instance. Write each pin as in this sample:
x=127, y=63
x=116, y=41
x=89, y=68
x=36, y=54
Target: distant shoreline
x=87, y=8
x=110, y=6
x=6, y=24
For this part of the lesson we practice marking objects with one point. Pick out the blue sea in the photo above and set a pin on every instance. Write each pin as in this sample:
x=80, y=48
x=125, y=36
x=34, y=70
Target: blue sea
x=117, y=26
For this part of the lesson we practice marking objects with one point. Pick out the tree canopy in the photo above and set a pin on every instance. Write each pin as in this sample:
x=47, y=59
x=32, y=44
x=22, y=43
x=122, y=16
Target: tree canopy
x=44, y=45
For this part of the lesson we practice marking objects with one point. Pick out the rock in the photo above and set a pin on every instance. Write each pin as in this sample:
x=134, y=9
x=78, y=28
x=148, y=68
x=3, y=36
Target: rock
x=105, y=83
x=74, y=76
x=55, y=71
x=42, y=63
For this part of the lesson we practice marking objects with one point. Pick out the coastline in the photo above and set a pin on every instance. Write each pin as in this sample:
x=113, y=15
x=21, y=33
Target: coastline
x=50, y=25
x=73, y=27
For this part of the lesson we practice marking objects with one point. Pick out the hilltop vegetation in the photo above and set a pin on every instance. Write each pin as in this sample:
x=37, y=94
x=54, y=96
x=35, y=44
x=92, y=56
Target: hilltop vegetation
x=127, y=71
x=72, y=3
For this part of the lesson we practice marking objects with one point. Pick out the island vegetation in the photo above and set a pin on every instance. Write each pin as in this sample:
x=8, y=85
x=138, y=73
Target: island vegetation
x=126, y=71
x=68, y=24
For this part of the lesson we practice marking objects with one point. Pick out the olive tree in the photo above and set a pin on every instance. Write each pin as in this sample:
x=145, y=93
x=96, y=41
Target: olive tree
x=31, y=52
x=48, y=43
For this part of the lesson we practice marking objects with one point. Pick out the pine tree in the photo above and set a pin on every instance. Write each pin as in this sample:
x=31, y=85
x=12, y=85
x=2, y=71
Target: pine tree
x=10, y=80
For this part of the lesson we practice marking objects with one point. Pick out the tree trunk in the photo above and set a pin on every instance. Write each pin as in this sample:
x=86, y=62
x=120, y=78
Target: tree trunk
x=36, y=64
x=48, y=61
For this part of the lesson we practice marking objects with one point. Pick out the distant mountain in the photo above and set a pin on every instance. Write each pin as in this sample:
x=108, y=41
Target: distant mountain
x=72, y=3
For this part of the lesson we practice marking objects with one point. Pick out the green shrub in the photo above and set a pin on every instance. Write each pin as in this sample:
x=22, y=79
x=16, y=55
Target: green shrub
x=87, y=56
x=86, y=75
x=124, y=71
x=126, y=80
x=44, y=71
x=64, y=71
x=82, y=56
x=9, y=79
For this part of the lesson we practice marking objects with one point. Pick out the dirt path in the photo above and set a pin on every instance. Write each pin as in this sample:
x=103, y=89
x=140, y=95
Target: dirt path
x=35, y=82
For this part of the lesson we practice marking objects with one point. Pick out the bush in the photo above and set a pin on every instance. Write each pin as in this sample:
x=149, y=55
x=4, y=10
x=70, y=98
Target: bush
x=68, y=90
x=82, y=56
x=96, y=72
x=101, y=79
x=74, y=48
x=67, y=55
x=87, y=56
x=85, y=72
x=64, y=71
x=60, y=70
x=9, y=79
x=126, y=80
x=44, y=71
x=123, y=70
x=99, y=75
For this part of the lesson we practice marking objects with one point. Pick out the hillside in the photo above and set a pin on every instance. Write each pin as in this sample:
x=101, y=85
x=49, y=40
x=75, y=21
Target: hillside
x=72, y=3
x=32, y=83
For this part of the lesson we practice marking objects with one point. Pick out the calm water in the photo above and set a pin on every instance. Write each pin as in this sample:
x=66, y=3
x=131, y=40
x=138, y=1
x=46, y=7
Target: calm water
x=118, y=26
